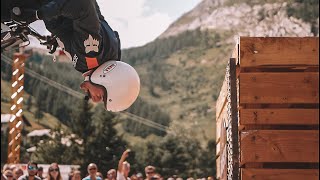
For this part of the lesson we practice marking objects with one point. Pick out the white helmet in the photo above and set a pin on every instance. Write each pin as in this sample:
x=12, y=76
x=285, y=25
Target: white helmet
x=121, y=82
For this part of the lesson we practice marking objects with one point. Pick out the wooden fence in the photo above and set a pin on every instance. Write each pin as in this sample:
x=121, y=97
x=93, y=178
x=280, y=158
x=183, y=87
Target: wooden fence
x=267, y=113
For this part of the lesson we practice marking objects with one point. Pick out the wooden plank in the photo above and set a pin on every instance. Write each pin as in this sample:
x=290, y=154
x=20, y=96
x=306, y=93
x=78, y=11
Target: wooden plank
x=223, y=136
x=279, y=174
x=235, y=52
x=274, y=51
x=221, y=143
x=265, y=88
x=222, y=98
x=218, y=149
x=279, y=146
x=218, y=168
x=279, y=116
x=223, y=164
x=218, y=126
x=222, y=118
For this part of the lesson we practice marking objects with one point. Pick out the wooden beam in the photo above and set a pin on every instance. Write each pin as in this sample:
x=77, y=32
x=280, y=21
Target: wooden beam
x=221, y=101
x=223, y=137
x=279, y=174
x=284, y=51
x=224, y=164
x=218, y=173
x=222, y=118
x=279, y=146
x=235, y=52
x=279, y=116
x=221, y=132
x=218, y=149
x=283, y=88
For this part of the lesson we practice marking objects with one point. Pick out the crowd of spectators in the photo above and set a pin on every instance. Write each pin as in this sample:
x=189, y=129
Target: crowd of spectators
x=14, y=172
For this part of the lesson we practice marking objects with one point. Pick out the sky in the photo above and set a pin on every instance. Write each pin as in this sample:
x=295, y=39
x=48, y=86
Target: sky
x=138, y=21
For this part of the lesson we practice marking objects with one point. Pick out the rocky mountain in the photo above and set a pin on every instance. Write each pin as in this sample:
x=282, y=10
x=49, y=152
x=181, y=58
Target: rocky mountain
x=246, y=18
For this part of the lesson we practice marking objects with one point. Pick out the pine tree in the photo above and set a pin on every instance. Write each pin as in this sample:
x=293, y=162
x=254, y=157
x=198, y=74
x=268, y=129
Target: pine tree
x=101, y=144
x=81, y=121
x=104, y=147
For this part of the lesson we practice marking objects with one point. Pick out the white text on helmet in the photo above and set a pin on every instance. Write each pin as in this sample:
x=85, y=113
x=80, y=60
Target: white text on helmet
x=109, y=68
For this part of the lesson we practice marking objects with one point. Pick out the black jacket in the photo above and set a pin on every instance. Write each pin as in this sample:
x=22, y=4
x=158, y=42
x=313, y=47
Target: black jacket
x=85, y=34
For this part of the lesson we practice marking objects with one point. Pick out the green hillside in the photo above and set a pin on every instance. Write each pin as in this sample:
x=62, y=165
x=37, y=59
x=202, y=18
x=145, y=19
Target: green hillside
x=183, y=75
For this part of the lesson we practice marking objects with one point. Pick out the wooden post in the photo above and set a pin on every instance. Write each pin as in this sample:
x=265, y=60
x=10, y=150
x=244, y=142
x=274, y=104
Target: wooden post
x=15, y=123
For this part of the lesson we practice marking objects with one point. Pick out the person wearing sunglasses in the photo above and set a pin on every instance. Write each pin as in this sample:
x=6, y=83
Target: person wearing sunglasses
x=54, y=172
x=150, y=172
x=92, y=171
x=32, y=172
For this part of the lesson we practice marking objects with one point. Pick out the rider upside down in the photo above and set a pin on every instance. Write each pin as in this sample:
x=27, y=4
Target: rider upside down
x=88, y=41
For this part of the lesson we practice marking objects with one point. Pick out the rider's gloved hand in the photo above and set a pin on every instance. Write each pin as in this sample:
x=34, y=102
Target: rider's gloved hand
x=26, y=15
x=51, y=44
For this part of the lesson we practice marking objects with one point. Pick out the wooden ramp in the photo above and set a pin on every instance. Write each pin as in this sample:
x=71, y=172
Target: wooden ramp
x=267, y=113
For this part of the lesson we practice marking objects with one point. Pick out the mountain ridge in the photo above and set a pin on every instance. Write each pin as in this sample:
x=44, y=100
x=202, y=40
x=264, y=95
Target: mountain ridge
x=268, y=19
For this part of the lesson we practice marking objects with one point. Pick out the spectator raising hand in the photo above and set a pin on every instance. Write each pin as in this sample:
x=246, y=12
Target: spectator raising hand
x=123, y=166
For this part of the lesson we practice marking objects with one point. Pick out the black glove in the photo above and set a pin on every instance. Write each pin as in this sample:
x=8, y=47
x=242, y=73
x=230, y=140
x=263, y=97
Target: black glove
x=51, y=43
x=26, y=16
